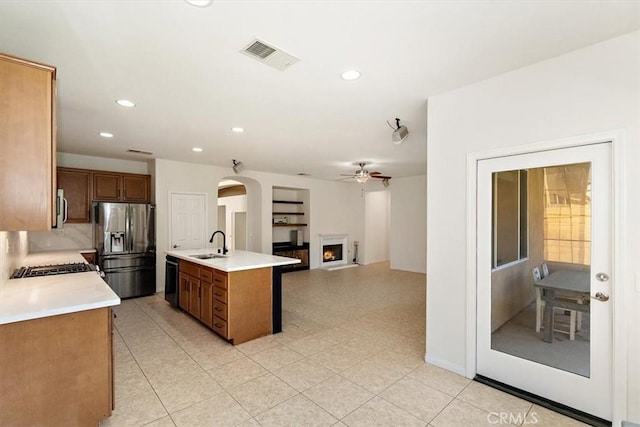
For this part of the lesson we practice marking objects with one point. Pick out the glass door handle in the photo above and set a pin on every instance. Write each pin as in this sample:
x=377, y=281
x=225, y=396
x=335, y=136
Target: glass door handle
x=601, y=296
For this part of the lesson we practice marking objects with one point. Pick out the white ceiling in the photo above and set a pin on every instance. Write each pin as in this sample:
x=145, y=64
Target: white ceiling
x=182, y=67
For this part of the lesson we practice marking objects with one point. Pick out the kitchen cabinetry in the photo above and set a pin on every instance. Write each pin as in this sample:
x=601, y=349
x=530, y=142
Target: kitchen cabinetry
x=293, y=251
x=28, y=139
x=183, y=292
x=61, y=378
x=76, y=184
x=89, y=256
x=236, y=305
x=121, y=187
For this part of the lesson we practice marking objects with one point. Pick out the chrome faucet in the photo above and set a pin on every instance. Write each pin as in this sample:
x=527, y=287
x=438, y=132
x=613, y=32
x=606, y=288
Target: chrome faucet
x=224, y=241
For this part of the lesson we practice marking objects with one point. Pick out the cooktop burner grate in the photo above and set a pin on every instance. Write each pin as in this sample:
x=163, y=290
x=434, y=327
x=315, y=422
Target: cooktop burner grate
x=51, y=270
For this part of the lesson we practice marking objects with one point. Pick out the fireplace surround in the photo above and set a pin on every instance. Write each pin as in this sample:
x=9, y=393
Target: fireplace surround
x=334, y=250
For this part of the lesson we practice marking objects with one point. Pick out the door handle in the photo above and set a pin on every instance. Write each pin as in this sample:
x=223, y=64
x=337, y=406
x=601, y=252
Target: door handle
x=176, y=246
x=601, y=296
x=602, y=277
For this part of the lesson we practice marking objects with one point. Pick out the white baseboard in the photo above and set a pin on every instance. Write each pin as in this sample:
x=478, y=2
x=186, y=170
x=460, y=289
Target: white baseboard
x=444, y=364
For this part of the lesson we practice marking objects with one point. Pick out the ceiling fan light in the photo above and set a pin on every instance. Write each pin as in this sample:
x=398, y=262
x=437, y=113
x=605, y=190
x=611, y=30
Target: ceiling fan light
x=362, y=179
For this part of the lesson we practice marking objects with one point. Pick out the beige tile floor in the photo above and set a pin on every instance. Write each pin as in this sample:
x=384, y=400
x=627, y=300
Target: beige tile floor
x=351, y=353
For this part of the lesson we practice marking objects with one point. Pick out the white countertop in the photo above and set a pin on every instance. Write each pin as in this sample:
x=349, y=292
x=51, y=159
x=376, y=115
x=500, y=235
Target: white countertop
x=36, y=297
x=234, y=260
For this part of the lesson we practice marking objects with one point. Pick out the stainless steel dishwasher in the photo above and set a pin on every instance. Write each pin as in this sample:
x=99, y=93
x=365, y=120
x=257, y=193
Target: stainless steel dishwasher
x=171, y=280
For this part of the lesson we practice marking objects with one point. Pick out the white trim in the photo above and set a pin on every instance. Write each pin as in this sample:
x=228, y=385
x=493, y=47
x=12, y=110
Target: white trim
x=445, y=364
x=620, y=335
x=620, y=328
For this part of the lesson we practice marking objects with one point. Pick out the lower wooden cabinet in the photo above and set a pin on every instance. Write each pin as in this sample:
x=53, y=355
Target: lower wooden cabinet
x=236, y=305
x=57, y=370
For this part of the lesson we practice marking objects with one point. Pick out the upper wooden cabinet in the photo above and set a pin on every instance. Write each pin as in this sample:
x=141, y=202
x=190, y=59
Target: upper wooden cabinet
x=121, y=187
x=27, y=141
x=76, y=184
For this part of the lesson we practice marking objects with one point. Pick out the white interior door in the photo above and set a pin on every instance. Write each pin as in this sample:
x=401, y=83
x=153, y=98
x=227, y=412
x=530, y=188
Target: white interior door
x=548, y=210
x=188, y=221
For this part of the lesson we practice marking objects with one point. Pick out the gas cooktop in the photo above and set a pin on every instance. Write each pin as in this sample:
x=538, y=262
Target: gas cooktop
x=51, y=270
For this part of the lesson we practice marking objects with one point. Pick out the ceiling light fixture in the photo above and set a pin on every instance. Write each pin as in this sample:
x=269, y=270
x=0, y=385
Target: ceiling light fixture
x=197, y=149
x=237, y=166
x=125, y=103
x=106, y=135
x=237, y=130
x=199, y=3
x=350, y=75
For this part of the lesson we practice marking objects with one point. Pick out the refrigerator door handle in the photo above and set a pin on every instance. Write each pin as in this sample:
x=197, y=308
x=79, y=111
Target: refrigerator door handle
x=129, y=226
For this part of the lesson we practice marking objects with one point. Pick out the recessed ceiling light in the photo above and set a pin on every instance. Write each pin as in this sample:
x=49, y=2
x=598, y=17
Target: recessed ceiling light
x=350, y=75
x=125, y=103
x=199, y=3
x=106, y=135
x=197, y=149
x=237, y=130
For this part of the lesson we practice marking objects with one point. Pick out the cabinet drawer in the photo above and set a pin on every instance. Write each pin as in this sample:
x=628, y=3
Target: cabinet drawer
x=219, y=294
x=220, y=326
x=190, y=269
x=220, y=279
x=206, y=274
x=219, y=309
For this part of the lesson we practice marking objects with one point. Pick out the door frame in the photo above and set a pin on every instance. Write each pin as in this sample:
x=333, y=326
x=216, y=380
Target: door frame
x=619, y=326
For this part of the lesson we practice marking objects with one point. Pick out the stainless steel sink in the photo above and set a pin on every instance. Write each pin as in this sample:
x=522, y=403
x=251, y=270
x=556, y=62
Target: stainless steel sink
x=207, y=256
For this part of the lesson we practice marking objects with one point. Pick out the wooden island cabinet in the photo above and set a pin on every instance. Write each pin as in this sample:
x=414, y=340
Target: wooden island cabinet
x=236, y=305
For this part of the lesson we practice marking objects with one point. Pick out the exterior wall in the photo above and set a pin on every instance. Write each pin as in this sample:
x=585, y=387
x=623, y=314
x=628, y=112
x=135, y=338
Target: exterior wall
x=584, y=92
x=512, y=285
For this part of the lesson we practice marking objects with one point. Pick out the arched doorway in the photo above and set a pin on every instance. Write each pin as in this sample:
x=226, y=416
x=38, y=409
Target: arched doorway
x=239, y=212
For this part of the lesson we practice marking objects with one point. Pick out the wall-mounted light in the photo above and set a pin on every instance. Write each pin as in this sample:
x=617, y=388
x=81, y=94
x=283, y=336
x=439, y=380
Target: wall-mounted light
x=237, y=166
x=399, y=134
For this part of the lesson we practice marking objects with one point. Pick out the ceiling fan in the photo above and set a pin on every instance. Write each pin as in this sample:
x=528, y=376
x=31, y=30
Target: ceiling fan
x=362, y=175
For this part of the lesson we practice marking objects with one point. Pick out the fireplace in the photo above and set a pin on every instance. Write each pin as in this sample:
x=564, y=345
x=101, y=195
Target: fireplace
x=331, y=253
x=333, y=250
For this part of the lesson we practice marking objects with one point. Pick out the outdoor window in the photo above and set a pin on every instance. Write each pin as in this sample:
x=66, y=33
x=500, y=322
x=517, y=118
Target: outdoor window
x=510, y=223
x=567, y=213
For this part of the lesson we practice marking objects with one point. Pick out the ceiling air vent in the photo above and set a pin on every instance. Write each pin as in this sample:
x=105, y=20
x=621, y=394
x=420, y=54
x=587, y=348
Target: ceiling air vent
x=133, y=150
x=269, y=54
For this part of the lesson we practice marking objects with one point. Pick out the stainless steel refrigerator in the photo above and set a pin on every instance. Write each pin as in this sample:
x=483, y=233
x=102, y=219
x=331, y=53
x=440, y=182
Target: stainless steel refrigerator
x=124, y=236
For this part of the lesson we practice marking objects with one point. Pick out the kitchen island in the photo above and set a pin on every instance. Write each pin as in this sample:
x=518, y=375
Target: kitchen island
x=56, y=352
x=238, y=295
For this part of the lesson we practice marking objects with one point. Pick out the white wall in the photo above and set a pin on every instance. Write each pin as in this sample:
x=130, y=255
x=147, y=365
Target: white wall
x=13, y=249
x=375, y=247
x=335, y=207
x=102, y=163
x=408, y=230
x=586, y=91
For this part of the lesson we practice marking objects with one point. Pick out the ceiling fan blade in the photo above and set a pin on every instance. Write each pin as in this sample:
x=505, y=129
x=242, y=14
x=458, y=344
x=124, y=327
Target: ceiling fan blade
x=375, y=173
x=380, y=176
x=346, y=174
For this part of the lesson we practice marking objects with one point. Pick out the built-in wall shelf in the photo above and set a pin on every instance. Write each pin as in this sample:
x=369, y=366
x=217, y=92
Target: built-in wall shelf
x=288, y=213
x=288, y=202
x=290, y=225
